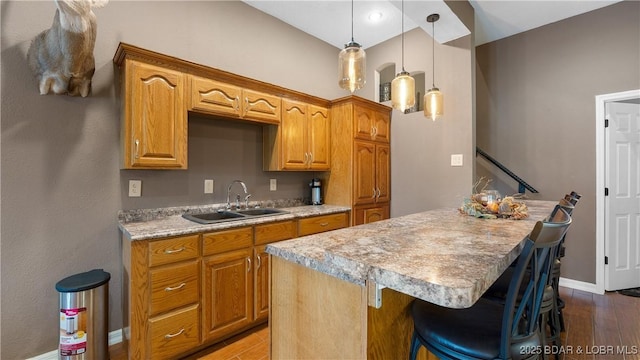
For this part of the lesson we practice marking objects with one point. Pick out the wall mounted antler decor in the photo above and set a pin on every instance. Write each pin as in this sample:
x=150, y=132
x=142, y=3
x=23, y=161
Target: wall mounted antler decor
x=61, y=57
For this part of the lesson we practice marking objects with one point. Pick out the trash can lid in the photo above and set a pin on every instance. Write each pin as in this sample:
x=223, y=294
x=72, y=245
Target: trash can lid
x=83, y=281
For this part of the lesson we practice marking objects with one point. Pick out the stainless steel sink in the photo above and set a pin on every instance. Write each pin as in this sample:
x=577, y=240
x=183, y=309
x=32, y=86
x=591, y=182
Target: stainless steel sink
x=223, y=216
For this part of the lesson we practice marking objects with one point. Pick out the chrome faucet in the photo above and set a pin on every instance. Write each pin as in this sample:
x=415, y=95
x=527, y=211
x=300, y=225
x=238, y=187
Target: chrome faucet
x=246, y=193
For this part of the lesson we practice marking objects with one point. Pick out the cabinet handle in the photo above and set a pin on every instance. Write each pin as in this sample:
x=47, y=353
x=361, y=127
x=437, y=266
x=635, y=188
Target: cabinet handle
x=248, y=264
x=258, y=262
x=310, y=158
x=324, y=224
x=169, y=336
x=374, y=193
x=374, y=131
x=169, y=288
x=378, y=193
x=167, y=251
x=137, y=142
x=306, y=158
x=246, y=105
x=237, y=104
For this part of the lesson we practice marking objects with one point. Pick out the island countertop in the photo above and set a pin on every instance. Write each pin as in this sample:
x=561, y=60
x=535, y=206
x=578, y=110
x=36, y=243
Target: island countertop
x=440, y=256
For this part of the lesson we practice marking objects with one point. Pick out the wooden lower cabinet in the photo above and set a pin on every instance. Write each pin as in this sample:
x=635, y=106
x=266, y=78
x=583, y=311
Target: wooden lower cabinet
x=184, y=293
x=227, y=293
x=369, y=214
x=174, y=333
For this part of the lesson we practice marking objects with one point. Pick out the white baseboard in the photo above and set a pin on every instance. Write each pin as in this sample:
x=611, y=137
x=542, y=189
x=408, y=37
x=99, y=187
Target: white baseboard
x=579, y=285
x=115, y=337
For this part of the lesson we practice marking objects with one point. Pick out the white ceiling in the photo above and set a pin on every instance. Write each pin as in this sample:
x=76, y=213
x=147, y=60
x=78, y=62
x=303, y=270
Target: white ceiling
x=330, y=20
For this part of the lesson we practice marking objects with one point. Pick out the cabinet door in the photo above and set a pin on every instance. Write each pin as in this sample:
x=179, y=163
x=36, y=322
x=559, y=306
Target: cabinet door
x=227, y=293
x=368, y=214
x=294, y=131
x=364, y=175
x=261, y=283
x=214, y=97
x=382, y=127
x=319, y=138
x=156, y=118
x=364, y=120
x=261, y=107
x=383, y=174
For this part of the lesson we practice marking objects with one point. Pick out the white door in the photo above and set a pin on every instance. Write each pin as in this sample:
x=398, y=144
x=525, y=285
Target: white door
x=622, y=205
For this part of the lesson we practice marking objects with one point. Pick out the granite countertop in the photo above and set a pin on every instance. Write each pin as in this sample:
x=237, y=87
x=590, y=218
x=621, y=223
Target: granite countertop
x=159, y=223
x=440, y=256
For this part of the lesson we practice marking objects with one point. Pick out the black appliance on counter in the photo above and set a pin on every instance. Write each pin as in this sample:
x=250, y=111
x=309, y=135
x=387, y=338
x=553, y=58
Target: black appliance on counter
x=316, y=191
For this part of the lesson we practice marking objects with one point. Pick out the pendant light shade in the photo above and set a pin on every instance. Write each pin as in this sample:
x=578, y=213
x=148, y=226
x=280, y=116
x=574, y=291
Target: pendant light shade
x=433, y=104
x=403, y=95
x=403, y=87
x=433, y=99
x=352, y=66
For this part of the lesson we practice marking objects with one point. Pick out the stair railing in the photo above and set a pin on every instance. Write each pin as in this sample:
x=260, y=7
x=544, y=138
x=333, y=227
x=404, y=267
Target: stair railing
x=522, y=185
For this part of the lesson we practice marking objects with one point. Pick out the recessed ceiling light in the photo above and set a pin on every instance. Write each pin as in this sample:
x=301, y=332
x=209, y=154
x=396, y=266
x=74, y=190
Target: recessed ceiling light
x=375, y=16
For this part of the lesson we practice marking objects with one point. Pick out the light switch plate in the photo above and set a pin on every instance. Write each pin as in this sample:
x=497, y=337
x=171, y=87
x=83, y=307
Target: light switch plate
x=456, y=159
x=208, y=186
x=135, y=188
x=273, y=185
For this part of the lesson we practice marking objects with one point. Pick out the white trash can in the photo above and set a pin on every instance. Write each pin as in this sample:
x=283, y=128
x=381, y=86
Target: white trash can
x=84, y=304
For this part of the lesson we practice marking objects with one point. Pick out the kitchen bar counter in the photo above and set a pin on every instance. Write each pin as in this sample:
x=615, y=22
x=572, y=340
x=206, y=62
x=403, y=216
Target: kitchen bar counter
x=162, y=223
x=440, y=256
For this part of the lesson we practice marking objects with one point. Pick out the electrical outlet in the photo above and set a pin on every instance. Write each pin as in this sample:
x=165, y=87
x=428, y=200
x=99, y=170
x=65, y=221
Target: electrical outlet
x=135, y=188
x=456, y=159
x=273, y=185
x=208, y=186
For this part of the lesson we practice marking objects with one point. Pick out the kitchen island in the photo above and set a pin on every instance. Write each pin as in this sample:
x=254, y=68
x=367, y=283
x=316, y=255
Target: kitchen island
x=345, y=294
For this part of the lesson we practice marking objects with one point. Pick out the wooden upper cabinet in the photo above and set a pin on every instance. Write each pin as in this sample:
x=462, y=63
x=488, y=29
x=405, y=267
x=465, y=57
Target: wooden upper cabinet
x=302, y=141
x=319, y=138
x=261, y=107
x=370, y=124
x=219, y=98
x=155, y=117
x=211, y=96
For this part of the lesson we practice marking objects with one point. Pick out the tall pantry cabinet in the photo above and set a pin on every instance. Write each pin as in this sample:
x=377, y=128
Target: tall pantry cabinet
x=360, y=159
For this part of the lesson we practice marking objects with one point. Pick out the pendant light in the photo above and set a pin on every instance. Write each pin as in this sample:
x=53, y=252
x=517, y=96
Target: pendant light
x=352, y=64
x=403, y=95
x=433, y=99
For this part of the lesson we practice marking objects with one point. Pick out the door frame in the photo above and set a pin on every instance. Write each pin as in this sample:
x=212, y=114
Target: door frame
x=601, y=203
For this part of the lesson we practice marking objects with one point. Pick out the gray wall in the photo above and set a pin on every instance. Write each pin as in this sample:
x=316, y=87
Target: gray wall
x=536, y=110
x=421, y=175
x=61, y=184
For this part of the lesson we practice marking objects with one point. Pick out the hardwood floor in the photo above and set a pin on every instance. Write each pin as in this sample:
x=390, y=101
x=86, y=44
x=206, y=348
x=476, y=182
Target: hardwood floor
x=597, y=327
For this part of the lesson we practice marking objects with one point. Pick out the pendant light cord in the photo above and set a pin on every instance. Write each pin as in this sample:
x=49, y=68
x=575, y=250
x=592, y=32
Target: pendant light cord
x=433, y=53
x=402, y=16
x=352, y=21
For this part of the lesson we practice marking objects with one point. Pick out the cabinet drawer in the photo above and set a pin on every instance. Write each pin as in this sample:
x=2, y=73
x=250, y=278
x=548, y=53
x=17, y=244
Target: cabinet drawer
x=222, y=241
x=173, y=286
x=173, y=250
x=275, y=232
x=174, y=333
x=322, y=223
